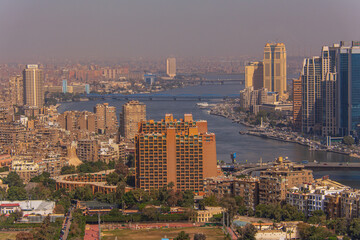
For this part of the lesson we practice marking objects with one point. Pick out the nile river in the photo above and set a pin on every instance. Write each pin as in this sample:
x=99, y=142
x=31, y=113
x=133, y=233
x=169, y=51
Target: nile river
x=248, y=148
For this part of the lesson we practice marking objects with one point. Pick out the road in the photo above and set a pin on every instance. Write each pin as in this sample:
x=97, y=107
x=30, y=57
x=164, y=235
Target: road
x=67, y=224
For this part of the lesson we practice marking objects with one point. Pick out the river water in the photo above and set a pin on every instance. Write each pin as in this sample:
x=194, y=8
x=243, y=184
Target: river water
x=228, y=140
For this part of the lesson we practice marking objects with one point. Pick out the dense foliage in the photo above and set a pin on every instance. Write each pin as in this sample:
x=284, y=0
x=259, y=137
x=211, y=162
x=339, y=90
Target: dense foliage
x=88, y=167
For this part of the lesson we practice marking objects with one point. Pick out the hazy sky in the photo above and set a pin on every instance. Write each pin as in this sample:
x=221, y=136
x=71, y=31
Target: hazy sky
x=31, y=29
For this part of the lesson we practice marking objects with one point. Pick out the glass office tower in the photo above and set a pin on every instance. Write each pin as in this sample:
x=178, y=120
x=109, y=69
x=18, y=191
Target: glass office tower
x=348, y=70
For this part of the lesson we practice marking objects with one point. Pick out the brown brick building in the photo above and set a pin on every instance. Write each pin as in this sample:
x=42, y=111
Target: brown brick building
x=132, y=113
x=106, y=118
x=275, y=181
x=178, y=151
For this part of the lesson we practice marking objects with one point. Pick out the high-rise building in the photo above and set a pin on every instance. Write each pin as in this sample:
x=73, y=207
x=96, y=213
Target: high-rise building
x=311, y=113
x=16, y=90
x=179, y=151
x=275, y=68
x=328, y=57
x=254, y=75
x=87, y=88
x=297, y=103
x=348, y=87
x=87, y=150
x=171, y=67
x=64, y=86
x=132, y=113
x=33, y=86
x=106, y=119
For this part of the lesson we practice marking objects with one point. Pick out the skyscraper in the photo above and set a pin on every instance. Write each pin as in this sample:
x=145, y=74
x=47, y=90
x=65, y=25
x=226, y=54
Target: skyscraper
x=64, y=86
x=275, y=68
x=179, y=151
x=311, y=95
x=348, y=87
x=33, y=86
x=328, y=57
x=171, y=67
x=106, y=120
x=16, y=90
x=132, y=113
x=254, y=75
x=297, y=96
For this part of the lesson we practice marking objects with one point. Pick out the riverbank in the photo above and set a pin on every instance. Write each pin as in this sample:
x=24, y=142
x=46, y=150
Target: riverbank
x=226, y=110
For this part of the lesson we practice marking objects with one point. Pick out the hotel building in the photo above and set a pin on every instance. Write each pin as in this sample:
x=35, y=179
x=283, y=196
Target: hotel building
x=179, y=151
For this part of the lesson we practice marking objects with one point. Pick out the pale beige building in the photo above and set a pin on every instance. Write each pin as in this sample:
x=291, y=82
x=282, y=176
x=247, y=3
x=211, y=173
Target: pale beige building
x=254, y=75
x=33, y=86
x=16, y=90
x=171, y=67
x=275, y=68
x=132, y=113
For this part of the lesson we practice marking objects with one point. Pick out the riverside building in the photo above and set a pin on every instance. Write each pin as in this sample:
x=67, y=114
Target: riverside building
x=179, y=151
x=275, y=68
x=254, y=75
x=171, y=67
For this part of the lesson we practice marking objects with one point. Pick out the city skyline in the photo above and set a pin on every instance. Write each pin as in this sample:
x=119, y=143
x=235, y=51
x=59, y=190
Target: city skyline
x=119, y=30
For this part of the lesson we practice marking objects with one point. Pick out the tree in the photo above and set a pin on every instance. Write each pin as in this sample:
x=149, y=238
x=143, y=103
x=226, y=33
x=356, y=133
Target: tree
x=59, y=209
x=187, y=199
x=174, y=198
x=130, y=161
x=122, y=170
x=112, y=178
x=151, y=213
x=307, y=231
x=211, y=201
x=348, y=140
x=16, y=193
x=68, y=170
x=182, y=236
x=199, y=236
x=247, y=232
x=129, y=199
x=230, y=204
x=83, y=193
x=354, y=229
x=13, y=179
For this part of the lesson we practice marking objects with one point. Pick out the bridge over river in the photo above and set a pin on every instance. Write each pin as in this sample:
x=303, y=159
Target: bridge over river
x=322, y=166
x=160, y=97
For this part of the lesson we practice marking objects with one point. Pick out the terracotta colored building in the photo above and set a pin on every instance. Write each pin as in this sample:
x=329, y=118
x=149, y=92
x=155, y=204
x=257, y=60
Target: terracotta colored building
x=178, y=151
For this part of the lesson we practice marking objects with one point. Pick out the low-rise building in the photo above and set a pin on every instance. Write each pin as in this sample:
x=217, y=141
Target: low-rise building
x=25, y=167
x=208, y=213
x=31, y=207
x=5, y=160
x=350, y=204
x=7, y=208
x=96, y=181
x=247, y=188
x=283, y=175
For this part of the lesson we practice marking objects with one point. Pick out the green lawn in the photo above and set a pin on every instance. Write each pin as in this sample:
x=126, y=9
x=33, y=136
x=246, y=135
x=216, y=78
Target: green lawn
x=212, y=233
x=8, y=235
